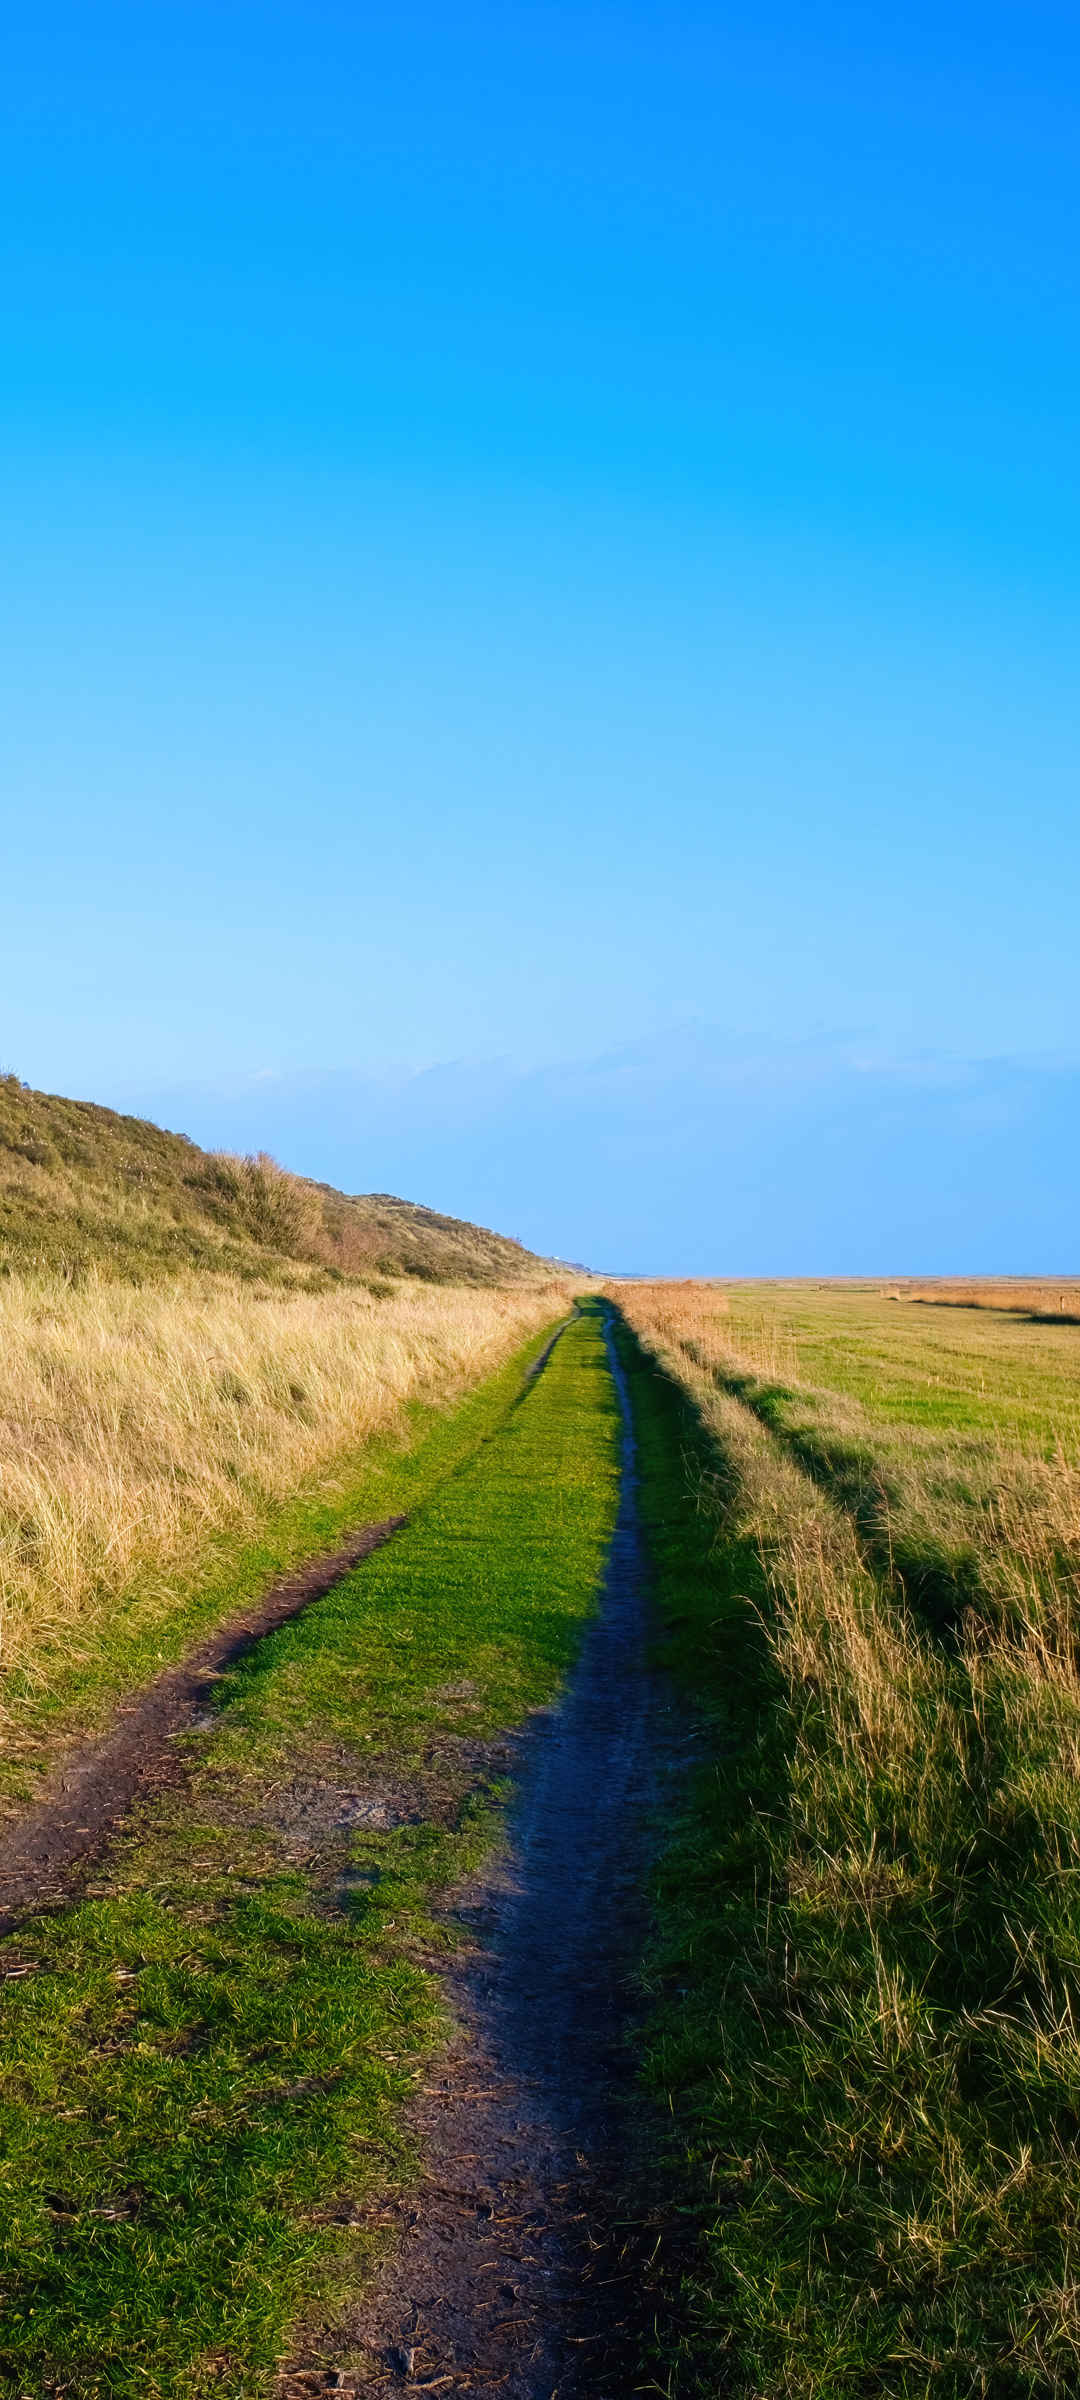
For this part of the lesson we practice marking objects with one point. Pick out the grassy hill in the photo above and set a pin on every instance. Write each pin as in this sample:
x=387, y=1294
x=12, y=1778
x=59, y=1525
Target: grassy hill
x=198, y=1354
x=82, y=1188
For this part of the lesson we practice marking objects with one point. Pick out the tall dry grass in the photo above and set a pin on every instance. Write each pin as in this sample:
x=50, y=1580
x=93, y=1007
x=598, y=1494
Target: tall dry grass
x=1058, y=1301
x=836, y=1634
x=879, y=2050
x=964, y=1528
x=137, y=1423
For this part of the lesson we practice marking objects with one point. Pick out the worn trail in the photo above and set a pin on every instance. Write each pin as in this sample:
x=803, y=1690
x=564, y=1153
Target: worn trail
x=255, y=1958
x=510, y=2275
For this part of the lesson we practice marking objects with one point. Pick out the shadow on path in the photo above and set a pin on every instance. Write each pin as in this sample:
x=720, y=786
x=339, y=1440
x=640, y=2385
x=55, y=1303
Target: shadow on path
x=512, y=2275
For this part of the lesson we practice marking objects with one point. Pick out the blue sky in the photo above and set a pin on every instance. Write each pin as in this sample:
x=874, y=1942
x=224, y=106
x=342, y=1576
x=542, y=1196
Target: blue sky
x=539, y=610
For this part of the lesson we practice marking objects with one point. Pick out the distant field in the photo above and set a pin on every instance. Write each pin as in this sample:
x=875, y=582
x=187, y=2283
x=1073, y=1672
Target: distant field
x=867, y=1968
x=977, y=1369
x=1056, y=1299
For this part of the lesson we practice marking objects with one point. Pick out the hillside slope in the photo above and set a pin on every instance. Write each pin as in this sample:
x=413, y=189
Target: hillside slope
x=81, y=1188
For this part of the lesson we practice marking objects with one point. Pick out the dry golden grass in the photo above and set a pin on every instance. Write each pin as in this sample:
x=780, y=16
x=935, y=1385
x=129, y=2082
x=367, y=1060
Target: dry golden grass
x=894, y=1987
x=836, y=1634
x=958, y=1525
x=137, y=1423
x=1013, y=1296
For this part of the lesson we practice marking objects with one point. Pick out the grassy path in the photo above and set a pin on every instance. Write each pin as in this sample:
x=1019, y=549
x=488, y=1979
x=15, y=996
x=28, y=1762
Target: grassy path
x=205, y=2062
x=516, y=2274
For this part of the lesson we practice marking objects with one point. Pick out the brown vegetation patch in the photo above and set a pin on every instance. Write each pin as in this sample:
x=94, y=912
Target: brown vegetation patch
x=1052, y=1303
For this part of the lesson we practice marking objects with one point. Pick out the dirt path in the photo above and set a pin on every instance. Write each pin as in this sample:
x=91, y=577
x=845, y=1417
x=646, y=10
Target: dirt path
x=515, y=2268
x=510, y=2274
x=47, y=1854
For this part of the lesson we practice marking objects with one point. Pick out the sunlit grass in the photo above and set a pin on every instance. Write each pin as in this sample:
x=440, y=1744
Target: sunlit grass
x=975, y=1371
x=867, y=1972
x=204, y=2068
x=141, y=1427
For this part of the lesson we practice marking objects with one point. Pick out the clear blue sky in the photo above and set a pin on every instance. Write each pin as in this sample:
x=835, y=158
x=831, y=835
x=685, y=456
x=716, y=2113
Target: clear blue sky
x=551, y=536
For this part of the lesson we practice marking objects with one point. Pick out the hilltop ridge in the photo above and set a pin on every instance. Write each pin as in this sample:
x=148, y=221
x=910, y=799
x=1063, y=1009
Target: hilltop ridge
x=84, y=1188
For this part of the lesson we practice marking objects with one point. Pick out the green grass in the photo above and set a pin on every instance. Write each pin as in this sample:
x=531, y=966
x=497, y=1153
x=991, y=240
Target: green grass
x=962, y=1370
x=949, y=1437
x=711, y=1599
x=865, y=1979
x=204, y=2071
x=388, y=1476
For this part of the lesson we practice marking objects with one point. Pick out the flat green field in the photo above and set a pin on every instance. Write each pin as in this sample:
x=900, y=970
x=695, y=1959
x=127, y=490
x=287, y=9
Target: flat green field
x=972, y=1370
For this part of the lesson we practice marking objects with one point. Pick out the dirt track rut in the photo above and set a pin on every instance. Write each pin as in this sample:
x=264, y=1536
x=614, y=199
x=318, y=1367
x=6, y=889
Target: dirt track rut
x=47, y=1854
x=516, y=2265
